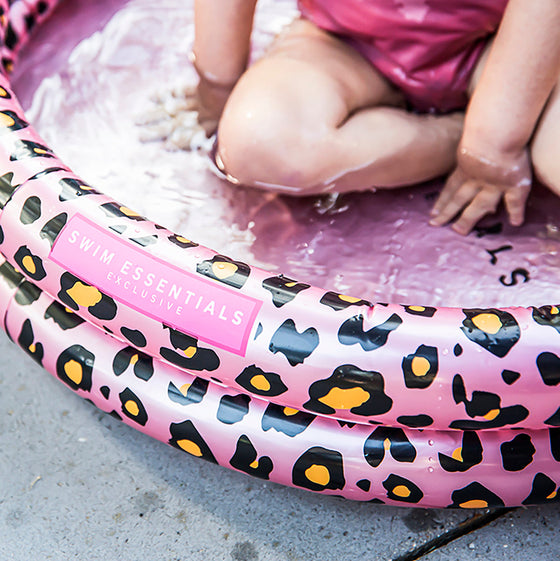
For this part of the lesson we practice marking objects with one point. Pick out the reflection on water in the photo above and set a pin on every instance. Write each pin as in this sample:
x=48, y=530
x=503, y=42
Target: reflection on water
x=90, y=73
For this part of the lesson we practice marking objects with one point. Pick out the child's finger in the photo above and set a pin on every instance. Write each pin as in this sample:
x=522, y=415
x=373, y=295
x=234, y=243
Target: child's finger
x=515, y=200
x=485, y=202
x=453, y=183
x=460, y=198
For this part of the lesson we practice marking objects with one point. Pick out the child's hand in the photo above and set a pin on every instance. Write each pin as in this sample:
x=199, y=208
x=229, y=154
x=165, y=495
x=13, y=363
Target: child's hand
x=477, y=186
x=210, y=100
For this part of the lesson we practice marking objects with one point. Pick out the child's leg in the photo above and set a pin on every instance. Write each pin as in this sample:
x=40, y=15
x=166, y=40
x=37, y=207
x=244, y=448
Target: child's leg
x=545, y=143
x=313, y=116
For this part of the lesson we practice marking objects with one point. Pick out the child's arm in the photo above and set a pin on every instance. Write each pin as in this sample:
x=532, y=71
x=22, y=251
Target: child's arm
x=493, y=161
x=220, y=53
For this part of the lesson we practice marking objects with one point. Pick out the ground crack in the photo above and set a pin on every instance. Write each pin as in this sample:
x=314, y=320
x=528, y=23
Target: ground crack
x=464, y=528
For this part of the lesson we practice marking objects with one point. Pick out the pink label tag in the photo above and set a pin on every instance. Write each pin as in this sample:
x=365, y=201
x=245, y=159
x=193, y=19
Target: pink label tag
x=190, y=303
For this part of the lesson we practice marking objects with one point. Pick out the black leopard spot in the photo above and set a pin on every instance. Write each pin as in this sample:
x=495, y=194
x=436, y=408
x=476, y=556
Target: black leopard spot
x=544, y=490
x=518, y=453
x=11, y=38
x=74, y=367
x=415, y=421
x=118, y=228
x=30, y=264
x=469, y=454
x=256, y=380
x=53, y=227
x=350, y=388
x=549, y=368
x=554, y=435
x=187, y=354
x=26, y=341
x=114, y=210
x=295, y=346
x=457, y=350
x=475, y=495
x=132, y=407
x=286, y=420
x=352, y=332
x=135, y=336
x=246, y=459
x=28, y=149
x=27, y=293
x=142, y=364
x=145, y=241
x=420, y=368
x=283, y=289
x=401, y=489
x=182, y=242
x=548, y=315
x=494, y=330
x=486, y=405
x=224, y=269
x=10, y=121
x=424, y=311
x=554, y=419
x=10, y=276
x=388, y=439
x=6, y=188
x=364, y=485
x=184, y=436
x=30, y=211
x=188, y=393
x=105, y=391
x=233, y=408
x=71, y=188
x=338, y=301
x=63, y=317
x=75, y=293
x=318, y=469
x=1, y=235
x=510, y=377
x=4, y=93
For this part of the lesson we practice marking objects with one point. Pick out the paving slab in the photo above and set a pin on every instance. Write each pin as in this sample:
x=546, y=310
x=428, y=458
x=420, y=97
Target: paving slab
x=76, y=483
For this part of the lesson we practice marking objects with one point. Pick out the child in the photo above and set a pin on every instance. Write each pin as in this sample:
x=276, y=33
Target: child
x=361, y=94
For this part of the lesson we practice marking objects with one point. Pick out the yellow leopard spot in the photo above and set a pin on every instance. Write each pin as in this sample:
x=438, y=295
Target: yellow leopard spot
x=254, y=464
x=552, y=495
x=29, y=264
x=190, y=352
x=6, y=120
x=491, y=415
x=134, y=360
x=184, y=389
x=181, y=239
x=457, y=454
x=290, y=411
x=554, y=310
x=223, y=270
x=349, y=299
x=420, y=366
x=132, y=407
x=128, y=211
x=489, y=323
x=474, y=503
x=260, y=383
x=417, y=308
x=318, y=474
x=190, y=447
x=40, y=150
x=8, y=65
x=84, y=295
x=73, y=369
x=290, y=284
x=402, y=491
x=32, y=348
x=386, y=445
x=338, y=398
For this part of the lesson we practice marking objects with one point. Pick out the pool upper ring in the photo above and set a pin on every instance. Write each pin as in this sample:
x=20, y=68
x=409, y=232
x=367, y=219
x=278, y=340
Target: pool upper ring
x=150, y=297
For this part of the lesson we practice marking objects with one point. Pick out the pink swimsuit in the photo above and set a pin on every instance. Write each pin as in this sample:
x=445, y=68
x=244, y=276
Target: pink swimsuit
x=427, y=48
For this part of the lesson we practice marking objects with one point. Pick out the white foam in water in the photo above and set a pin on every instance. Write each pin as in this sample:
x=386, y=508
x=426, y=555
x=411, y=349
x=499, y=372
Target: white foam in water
x=88, y=84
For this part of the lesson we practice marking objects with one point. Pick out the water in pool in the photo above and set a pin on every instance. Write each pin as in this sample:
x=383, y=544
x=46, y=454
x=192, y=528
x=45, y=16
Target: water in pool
x=87, y=82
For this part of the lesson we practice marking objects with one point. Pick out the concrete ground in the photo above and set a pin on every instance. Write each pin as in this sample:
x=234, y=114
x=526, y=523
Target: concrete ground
x=77, y=484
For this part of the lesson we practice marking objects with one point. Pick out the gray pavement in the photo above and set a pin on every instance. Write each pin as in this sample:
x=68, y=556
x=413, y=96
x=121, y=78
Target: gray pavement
x=77, y=484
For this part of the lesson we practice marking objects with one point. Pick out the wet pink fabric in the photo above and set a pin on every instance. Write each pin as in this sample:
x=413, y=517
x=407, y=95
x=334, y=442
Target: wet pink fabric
x=428, y=48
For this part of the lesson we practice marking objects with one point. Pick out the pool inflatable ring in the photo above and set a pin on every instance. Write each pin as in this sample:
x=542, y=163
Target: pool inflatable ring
x=259, y=372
